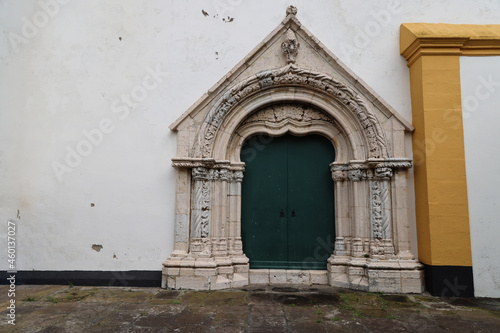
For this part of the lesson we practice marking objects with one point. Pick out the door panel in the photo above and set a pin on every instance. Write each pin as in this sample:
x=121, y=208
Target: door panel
x=291, y=174
x=310, y=196
x=265, y=191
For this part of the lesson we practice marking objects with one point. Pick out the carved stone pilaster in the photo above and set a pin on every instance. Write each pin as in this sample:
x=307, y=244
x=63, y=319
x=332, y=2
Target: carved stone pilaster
x=200, y=225
x=380, y=209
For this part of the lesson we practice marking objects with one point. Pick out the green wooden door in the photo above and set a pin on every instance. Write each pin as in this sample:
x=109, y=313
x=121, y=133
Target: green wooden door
x=287, y=202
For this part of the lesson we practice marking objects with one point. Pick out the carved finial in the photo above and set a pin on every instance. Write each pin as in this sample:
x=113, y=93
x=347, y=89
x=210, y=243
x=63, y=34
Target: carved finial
x=291, y=10
x=290, y=46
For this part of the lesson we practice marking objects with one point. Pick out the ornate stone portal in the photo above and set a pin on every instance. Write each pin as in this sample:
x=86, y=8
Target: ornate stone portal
x=276, y=90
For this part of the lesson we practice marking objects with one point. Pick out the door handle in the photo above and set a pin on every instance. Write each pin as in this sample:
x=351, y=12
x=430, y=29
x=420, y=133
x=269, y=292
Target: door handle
x=293, y=212
x=282, y=213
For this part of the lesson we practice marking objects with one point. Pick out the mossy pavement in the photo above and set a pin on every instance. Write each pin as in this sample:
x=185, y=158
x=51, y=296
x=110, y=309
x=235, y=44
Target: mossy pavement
x=251, y=309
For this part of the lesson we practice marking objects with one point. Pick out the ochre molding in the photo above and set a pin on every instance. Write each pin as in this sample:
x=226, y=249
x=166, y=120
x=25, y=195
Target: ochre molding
x=433, y=52
x=417, y=39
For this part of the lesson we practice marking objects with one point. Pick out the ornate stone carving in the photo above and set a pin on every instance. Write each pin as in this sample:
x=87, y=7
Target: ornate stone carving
x=201, y=204
x=199, y=173
x=205, y=210
x=218, y=174
x=287, y=112
x=290, y=47
x=293, y=75
x=357, y=175
x=339, y=172
x=401, y=164
x=383, y=173
x=291, y=10
x=339, y=176
x=368, y=170
x=216, y=259
x=381, y=249
x=236, y=176
x=201, y=247
x=380, y=209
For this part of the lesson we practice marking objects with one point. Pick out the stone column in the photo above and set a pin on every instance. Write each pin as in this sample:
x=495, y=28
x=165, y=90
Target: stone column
x=234, y=212
x=182, y=212
x=338, y=262
x=381, y=243
x=401, y=233
x=342, y=216
x=219, y=212
x=200, y=214
x=360, y=231
x=238, y=258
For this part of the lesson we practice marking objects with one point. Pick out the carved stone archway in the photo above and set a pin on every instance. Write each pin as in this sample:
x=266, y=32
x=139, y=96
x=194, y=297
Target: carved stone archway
x=372, y=249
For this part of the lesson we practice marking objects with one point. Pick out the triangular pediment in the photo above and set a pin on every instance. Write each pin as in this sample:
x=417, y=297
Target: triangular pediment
x=312, y=55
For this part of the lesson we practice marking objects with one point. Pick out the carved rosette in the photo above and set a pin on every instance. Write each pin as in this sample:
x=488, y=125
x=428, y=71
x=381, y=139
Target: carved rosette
x=293, y=75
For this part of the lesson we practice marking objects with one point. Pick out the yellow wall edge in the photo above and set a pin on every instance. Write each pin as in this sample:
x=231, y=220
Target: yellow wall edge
x=433, y=53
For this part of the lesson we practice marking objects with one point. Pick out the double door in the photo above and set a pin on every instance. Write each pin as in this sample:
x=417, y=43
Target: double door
x=287, y=202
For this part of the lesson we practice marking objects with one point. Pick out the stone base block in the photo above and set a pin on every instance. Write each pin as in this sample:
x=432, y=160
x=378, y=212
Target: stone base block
x=277, y=276
x=389, y=276
x=319, y=277
x=239, y=280
x=225, y=270
x=241, y=268
x=203, y=274
x=192, y=282
x=258, y=276
x=221, y=282
x=283, y=276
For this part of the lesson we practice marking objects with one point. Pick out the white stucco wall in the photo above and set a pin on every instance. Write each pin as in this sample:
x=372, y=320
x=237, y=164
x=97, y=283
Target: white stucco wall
x=480, y=82
x=67, y=71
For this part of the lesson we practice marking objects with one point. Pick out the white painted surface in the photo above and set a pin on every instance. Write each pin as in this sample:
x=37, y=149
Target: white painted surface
x=65, y=77
x=480, y=81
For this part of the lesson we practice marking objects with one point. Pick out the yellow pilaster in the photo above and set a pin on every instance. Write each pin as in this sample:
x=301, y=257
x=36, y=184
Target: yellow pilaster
x=433, y=52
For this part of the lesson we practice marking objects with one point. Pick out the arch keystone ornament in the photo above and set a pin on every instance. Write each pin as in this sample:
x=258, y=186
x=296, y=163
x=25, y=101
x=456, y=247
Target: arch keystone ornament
x=290, y=83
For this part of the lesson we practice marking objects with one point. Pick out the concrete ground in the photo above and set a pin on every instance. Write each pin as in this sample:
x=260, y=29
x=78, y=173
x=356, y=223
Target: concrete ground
x=250, y=309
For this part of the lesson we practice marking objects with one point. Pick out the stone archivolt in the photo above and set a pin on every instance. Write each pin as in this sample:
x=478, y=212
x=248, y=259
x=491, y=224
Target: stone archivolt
x=372, y=247
x=292, y=75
